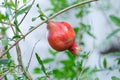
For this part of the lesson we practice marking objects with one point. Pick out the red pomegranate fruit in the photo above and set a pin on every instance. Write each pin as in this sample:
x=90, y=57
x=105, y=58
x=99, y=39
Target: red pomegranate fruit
x=61, y=36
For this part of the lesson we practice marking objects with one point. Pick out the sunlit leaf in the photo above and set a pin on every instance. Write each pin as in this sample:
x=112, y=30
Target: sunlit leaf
x=2, y=17
x=12, y=4
x=113, y=33
x=37, y=70
x=48, y=60
x=53, y=53
x=24, y=1
x=115, y=19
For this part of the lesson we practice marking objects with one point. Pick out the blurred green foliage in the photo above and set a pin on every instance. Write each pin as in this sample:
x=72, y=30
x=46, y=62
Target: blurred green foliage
x=70, y=68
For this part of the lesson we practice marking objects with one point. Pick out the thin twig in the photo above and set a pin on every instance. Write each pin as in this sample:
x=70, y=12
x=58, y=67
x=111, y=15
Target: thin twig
x=79, y=76
x=2, y=76
x=11, y=26
x=7, y=23
x=24, y=5
x=70, y=7
x=18, y=50
x=26, y=13
x=32, y=54
x=75, y=5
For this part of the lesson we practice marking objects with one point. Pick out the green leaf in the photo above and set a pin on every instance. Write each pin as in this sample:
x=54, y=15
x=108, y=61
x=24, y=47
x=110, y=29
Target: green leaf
x=3, y=30
x=41, y=14
x=53, y=53
x=12, y=4
x=41, y=63
x=68, y=63
x=37, y=70
x=113, y=33
x=90, y=34
x=37, y=6
x=53, y=2
x=2, y=17
x=23, y=10
x=16, y=36
x=16, y=26
x=105, y=63
x=57, y=73
x=34, y=18
x=118, y=61
x=115, y=19
x=5, y=42
x=97, y=78
x=70, y=56
x=79, y=14
x=24, y=1
x=42, y=78
x=31, y=27
x=42, y=17
x=4, y=61
x=48, y=60
x=115, y=78
x=76, y=29
x=84, y=55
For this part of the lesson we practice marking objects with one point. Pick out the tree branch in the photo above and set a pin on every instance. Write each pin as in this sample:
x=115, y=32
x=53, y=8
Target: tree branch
x=26, y=13
x=58, y=13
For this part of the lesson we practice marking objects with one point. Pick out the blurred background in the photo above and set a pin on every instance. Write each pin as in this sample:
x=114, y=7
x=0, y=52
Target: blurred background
x=97, y=27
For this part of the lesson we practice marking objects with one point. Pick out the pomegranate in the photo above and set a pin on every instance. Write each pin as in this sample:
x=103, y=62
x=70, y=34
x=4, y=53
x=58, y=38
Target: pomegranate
x=61, y=36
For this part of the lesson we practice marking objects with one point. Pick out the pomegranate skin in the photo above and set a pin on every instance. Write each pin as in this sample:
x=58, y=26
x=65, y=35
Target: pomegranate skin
x=74, y=49
x=60, y=35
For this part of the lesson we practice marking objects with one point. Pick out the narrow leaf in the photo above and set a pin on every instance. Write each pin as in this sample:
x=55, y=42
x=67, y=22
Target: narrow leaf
x=53, y=53
x=5, y=41
x=41, y=63
x=48, y=60
x=23, y=10
x=113, y=33
x=115, y=19
x=105, y=63
x=90, y=34
x=16, y=36
x=16, y=26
